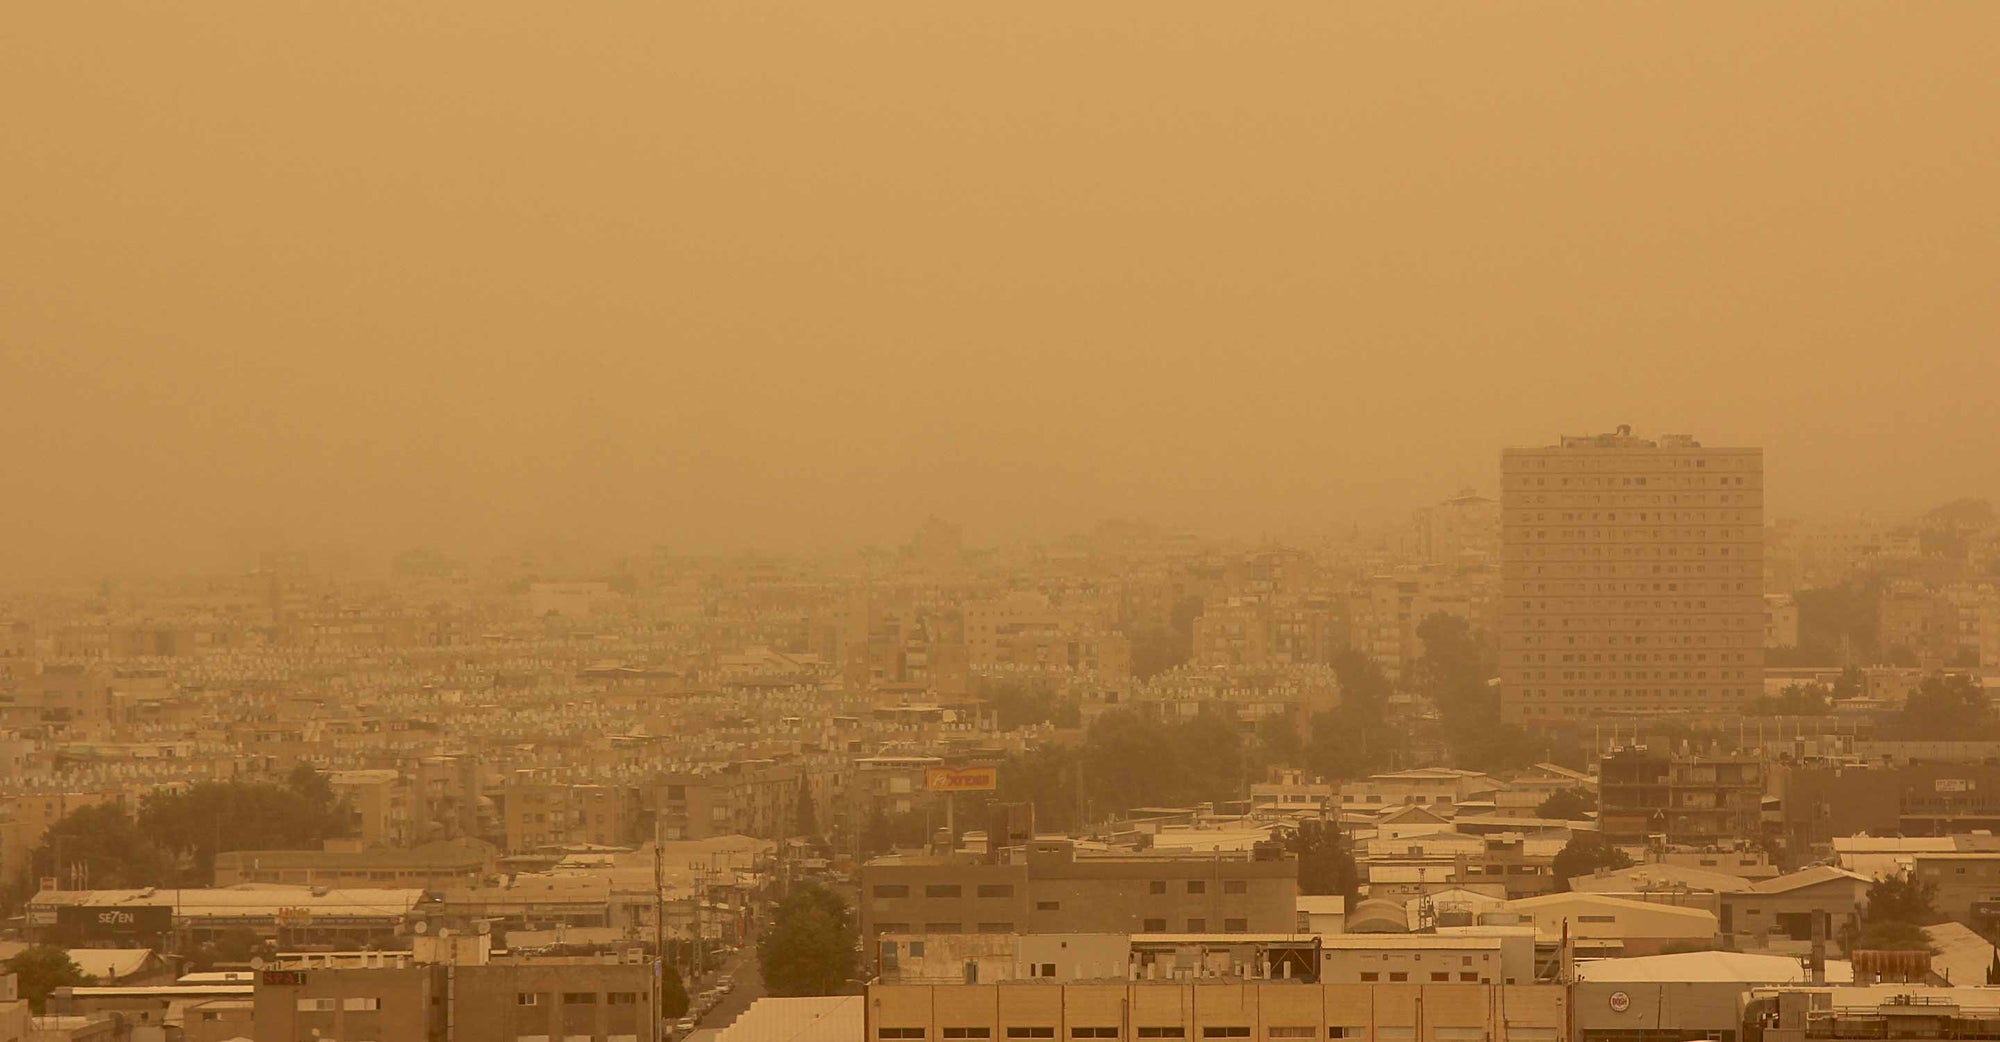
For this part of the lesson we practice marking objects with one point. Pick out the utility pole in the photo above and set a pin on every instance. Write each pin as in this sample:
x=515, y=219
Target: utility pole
x=659, y=933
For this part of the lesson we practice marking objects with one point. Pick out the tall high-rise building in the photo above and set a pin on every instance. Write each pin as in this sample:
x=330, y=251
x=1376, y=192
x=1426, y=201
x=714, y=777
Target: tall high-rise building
x=1633, y=578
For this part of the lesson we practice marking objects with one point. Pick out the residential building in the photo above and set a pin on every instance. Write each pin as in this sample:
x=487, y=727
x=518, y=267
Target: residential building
x=1052, y=887
x=1195, y=1010
x=1632, y=578
x=1650, y=798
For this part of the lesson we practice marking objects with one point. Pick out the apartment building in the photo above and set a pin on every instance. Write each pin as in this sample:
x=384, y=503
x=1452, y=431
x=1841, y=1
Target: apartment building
x=346, y=863
x=1649, y=797
x=566, y=998
x=745, y=798
x=1053, y=888
x=1416, y=1012
x=1632, y=578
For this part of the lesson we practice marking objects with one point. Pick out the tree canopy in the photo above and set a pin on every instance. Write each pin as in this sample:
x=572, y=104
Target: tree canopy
x=1902, y=899
x=42, y=969
x=1586, y=852
x=1356, y=738
x=1567, y=805
x=1326, y=860
x=1945, y=707
x=213, y=817
x=808, y=949
x=1801, y=699
x=1455, y=673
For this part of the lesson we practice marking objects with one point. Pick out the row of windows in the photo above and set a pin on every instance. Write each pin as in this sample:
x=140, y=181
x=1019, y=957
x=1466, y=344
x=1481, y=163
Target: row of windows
x=1656, y=695
x=351, y=1003
x=894, y=890
x=1281, y=1031
x=579, y=998
x=888, y=891
x=1439, y=977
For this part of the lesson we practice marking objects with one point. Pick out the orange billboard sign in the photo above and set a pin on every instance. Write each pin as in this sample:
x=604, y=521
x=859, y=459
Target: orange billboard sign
x=961, y=779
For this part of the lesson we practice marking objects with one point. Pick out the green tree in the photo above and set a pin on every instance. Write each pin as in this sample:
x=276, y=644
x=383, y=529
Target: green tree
x=809, y=947
x=1902, y=899
x=1566, y=805
x=1356, y=738
x=1840, y=624
x=876, y=838
x=1326, y=862
x=114, y=852
x=806, y=820
x=212, y=817
x=1891, y=936
x=1046, y=777
x=42, y=969
x=673, y=993
x=233, y=947
x=1456, y=673
x=1944, y=707
x=1024, y=703
x=1585, y=853
x=1278, y=740
x=1801, y=699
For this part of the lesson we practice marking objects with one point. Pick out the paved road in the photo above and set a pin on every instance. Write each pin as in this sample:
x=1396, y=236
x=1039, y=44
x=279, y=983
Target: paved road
x=749, y=988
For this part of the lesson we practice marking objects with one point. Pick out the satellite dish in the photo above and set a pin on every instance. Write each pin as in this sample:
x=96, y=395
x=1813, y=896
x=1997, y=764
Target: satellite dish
x=484, y=928
x=422, y=927
x=256, y=962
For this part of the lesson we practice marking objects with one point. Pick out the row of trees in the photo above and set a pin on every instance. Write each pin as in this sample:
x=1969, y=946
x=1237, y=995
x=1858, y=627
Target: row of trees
x=174, y=838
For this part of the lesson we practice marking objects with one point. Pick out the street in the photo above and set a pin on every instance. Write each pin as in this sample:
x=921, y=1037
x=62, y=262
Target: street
x=749, y=988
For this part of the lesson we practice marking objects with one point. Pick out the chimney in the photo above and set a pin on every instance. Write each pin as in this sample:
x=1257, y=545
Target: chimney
x=1817, y=964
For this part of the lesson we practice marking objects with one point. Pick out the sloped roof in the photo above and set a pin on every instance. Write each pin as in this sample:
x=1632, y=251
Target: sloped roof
x=1724, y=967
x=1803, y=878
x=110, y=965
x=1656, y=876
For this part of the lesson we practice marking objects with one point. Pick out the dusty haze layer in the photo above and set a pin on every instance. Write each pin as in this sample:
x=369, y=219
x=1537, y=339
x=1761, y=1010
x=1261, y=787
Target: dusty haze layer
x=794, y=275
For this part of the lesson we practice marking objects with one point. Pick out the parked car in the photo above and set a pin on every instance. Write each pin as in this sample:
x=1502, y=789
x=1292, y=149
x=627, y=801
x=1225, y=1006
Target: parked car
x=683, y=1025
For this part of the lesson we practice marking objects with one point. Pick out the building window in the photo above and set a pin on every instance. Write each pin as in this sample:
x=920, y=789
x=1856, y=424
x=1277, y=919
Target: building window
x=1197, y=886
x=1468, y=975
x=891, y=890
x=1197, y=926
x=968, y=1032
x=1370, y=977
x=899, y=1032
x=1093, y=1032
x=944, y=927
x=1031, y=1032
x=1235, y=886
x=1153, y=926
x=318, y=1005
x=1398, y=976
x=1236, y=925
x=1440, y=976
x=996, y=890
x=1291, y=1031
x=364, y=1005
x=1157, y=886
x=1346, y=1032
x=1048, y=906
x=1165, y=1032
x=622, y=998
x=579, y=998
x=527, y=998
x=942, y=890
x=1226, y=1031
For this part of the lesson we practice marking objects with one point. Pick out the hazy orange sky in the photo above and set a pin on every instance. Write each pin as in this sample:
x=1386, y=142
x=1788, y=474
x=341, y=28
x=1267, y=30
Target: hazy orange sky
x=717, y=275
